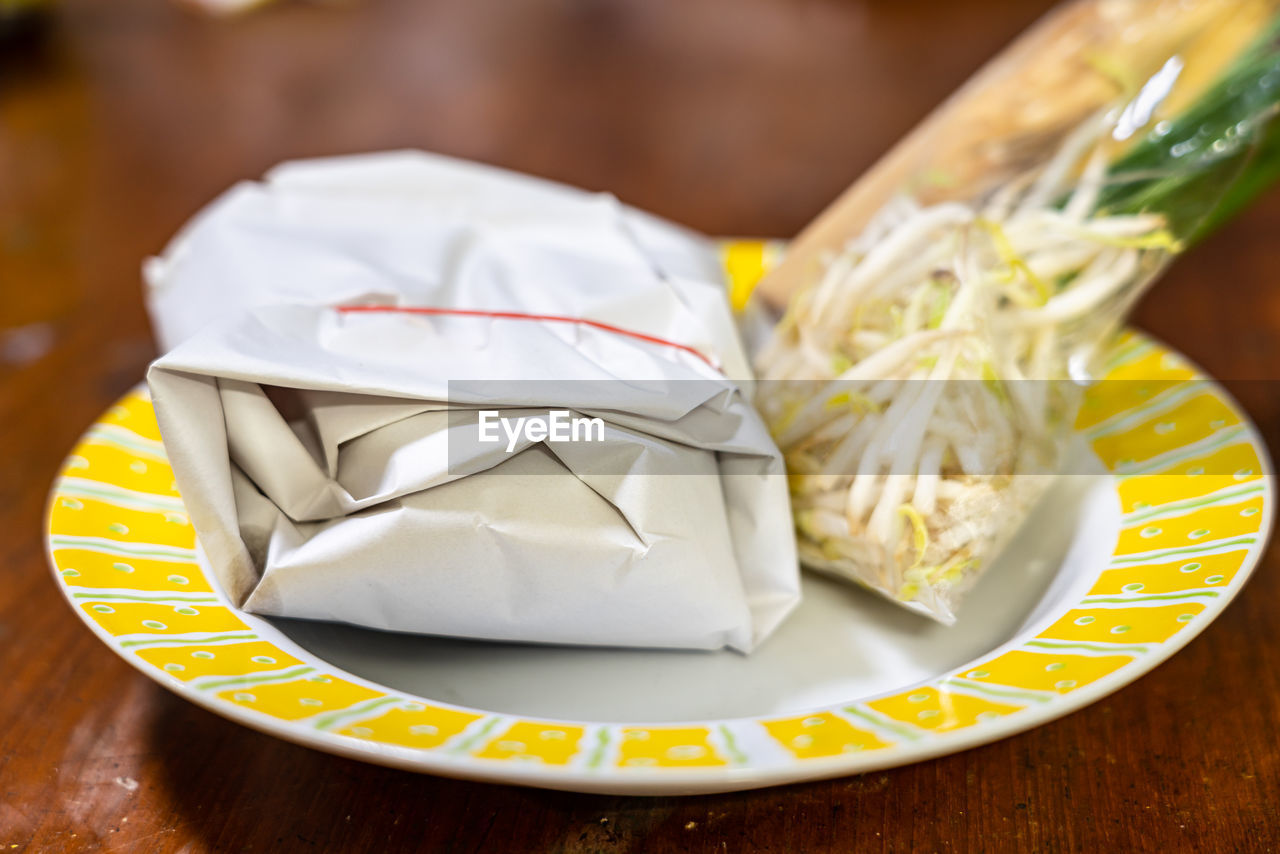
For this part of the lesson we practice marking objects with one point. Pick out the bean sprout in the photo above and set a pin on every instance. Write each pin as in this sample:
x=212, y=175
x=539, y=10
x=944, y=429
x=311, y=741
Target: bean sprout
x=919, y=389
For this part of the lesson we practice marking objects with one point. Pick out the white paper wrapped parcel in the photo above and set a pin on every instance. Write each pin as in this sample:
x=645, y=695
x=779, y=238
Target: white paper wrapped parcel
x=330, y=460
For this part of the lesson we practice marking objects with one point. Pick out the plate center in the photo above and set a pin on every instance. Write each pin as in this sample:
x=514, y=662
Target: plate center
x=841, y=645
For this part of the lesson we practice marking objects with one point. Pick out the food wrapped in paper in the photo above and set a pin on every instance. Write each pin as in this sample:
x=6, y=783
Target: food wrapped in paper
x=354, y=431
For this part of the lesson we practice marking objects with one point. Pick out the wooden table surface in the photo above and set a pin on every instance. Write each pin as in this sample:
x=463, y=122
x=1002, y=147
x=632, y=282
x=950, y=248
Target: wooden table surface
x=733, y=116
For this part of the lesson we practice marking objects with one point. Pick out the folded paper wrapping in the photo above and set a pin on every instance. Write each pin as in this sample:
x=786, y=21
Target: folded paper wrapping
x=416, y=229
x=365, y=496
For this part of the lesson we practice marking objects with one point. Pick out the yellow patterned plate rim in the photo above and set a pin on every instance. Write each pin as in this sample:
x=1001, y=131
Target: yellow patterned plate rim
x=122, y=552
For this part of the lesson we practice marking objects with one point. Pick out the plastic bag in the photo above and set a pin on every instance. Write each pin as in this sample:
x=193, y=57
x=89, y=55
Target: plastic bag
x=924, y=380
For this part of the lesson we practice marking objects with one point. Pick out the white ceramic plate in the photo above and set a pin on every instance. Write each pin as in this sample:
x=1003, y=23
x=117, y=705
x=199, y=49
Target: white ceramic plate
x=1115, y=572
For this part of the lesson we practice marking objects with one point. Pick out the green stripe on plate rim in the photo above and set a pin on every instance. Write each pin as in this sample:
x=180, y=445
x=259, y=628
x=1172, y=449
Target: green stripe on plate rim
x=1159, y=555
x=1177, y=392
x=118, y=547
x=731, y=745
x=77, y=487
x=1130, y=650
x=121, y=437
x=882, y=722
x=1229, y=495
x=470, y=740
x=603, y=738
x=354, y=713
x=1004, y=692
x=1213, y=442
x=1157, y=598
x=130, y=597
x=190, y=640
x=259, y=678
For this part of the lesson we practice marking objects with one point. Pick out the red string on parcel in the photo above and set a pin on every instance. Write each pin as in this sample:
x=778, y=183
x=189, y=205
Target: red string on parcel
x=519, y=315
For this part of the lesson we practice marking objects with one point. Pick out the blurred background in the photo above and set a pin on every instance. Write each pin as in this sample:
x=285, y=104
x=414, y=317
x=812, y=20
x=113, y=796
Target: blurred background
x=118, y=120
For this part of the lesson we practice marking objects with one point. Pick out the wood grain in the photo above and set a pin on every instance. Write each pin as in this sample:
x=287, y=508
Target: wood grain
x=733, y=116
